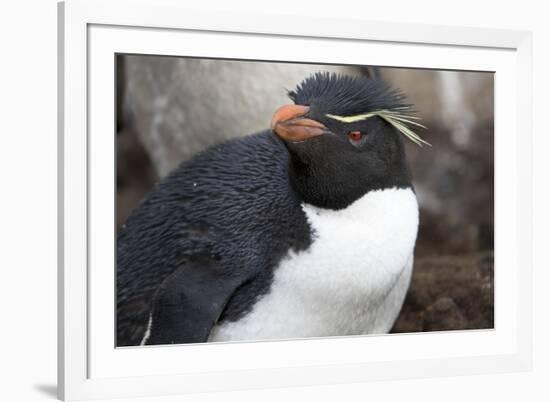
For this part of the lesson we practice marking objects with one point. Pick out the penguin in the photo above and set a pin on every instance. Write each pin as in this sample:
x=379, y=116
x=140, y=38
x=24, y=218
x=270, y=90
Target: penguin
x=306, y=229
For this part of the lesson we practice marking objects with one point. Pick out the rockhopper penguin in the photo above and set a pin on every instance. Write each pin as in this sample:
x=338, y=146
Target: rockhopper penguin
x=304, y=230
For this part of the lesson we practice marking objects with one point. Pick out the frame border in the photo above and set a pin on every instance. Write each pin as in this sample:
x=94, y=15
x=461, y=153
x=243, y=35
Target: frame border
x=74, y=16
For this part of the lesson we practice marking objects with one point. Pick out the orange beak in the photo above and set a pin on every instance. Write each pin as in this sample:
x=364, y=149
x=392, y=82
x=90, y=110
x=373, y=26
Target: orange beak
x=290, y=126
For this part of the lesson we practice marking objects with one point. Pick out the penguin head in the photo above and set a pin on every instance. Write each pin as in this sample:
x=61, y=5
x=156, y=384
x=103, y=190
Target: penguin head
x=344, y=136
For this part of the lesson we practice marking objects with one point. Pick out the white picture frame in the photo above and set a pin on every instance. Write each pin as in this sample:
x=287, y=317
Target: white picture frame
x=91, y=33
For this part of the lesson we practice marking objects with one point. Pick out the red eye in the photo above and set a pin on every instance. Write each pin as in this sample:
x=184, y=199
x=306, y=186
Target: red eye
x=355, y=136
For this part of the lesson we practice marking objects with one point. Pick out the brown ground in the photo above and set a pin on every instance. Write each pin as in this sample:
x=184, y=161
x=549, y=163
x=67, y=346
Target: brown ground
x=449, y=293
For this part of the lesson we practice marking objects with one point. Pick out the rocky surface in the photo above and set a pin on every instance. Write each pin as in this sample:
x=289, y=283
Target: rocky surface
x=454, y=187
x=449, y=293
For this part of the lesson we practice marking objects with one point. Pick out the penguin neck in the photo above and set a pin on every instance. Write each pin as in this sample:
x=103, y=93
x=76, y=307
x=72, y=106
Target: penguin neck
x=328, y=188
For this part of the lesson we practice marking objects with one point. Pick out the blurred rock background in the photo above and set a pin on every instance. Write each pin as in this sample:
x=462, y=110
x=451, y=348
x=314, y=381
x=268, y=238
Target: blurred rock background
x=169, y=108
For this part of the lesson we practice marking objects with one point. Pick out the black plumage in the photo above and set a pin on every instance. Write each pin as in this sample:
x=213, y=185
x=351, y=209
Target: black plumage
x=202, y=246
x=220, y=218
x=345, y=95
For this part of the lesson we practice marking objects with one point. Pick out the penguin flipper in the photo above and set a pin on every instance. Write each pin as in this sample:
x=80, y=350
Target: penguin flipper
x=188, y=304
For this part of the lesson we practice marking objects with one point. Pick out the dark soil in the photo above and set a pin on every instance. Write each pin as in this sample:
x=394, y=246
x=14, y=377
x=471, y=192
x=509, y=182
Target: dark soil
x=449, y=293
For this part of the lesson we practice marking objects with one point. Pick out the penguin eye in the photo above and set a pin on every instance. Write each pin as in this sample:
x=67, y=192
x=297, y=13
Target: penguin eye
x=355, y=137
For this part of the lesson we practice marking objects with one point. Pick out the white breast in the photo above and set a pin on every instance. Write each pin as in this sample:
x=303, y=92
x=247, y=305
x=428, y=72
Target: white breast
x=352, y=280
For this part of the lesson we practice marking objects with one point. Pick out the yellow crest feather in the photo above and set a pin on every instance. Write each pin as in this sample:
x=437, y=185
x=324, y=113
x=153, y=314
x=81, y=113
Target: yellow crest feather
x=398, y=118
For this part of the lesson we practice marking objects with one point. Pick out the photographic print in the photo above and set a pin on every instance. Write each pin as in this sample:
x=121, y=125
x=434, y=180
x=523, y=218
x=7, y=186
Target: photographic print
x=261, y=200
